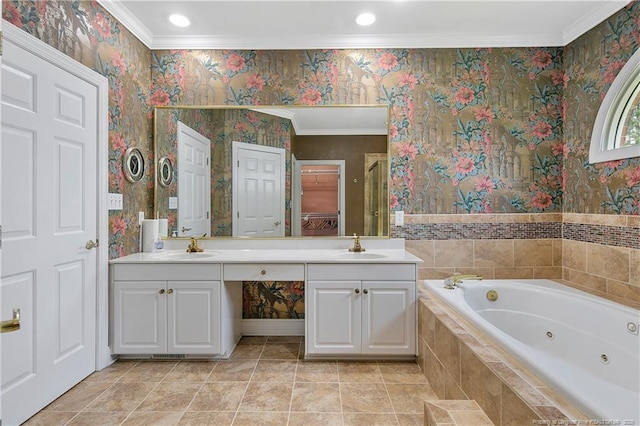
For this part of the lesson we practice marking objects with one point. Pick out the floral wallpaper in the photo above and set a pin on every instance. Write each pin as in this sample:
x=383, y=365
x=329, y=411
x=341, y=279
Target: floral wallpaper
x=273, y=300
x=166, y=145
x=221, y=127
x=472, y=130
x=85, y=32
x=591, y=64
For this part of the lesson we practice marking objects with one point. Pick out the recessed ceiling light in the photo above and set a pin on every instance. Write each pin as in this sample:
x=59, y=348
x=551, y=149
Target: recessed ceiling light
x=179, y=20
x=365, y=19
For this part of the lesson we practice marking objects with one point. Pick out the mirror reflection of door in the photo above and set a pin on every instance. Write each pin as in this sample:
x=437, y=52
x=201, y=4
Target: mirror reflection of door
x=319, y=193
x=194, y=183
x=376, y=202
x=258, y=190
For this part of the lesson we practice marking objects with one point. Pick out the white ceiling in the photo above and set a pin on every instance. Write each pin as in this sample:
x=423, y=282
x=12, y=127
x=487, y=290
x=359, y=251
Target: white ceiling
x=334, y=120
x=314, y=24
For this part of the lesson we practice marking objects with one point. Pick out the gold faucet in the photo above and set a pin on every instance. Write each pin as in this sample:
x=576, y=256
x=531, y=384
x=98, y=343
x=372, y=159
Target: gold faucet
x=454, y=280
x=357, y=248
x=193, y=246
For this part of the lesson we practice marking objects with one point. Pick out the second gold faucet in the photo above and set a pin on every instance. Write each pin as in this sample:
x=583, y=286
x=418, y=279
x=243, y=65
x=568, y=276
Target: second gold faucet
x=193, y=246
x=357, y=248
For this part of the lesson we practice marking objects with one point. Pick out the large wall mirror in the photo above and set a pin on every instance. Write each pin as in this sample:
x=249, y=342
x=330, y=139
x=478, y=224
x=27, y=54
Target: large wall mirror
x=273, y=171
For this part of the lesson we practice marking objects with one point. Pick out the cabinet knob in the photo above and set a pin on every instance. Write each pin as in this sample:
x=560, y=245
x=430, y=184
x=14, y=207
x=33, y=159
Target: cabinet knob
x=357, y=290
x=263, y=272
x=161, y=291
x=170, y=291
x=365, y=291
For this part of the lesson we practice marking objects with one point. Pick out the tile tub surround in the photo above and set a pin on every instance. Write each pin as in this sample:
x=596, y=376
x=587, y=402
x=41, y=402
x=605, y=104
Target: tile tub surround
x=600, y=253
x=461, y=363
x=264, y=382
x=454, y=413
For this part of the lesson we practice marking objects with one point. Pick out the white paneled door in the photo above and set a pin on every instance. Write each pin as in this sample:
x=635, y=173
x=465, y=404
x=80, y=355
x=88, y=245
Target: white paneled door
x=194, y=183
x=49, y=215
x=258, y=190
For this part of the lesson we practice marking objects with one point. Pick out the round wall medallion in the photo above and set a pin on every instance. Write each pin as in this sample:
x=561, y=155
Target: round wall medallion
x=133, y=165
x=165, y=171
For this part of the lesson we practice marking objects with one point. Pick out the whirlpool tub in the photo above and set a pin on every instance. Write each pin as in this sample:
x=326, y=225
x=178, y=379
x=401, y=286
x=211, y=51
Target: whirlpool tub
x=585, y=347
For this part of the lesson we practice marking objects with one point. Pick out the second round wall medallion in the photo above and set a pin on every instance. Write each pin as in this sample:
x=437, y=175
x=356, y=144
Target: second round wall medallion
x=133, y=166
x=165, y=171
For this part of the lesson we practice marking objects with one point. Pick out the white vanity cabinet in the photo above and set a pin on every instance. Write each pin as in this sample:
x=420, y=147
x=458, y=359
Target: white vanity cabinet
x=361, y=309
x=169, y=309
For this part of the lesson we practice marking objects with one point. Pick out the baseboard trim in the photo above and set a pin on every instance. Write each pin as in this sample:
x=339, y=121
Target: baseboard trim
x=273, y=327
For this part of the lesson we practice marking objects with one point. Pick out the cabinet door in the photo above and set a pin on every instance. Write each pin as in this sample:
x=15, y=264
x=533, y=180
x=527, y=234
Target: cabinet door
x=388, y=317
x=333, y=317
x=139, y=317
x=193, y=309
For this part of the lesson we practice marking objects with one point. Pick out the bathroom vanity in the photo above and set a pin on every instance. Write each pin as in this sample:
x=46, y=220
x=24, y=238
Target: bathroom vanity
x=357, y=305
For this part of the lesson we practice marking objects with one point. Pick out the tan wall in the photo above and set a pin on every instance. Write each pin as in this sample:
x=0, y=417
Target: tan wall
x=333, y=148
x=606, y=269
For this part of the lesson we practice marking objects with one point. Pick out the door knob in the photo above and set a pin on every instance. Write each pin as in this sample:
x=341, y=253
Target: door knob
x=91, y=245
x=11, y=325
x=357, y=290
x=170, y=291
x=365, y=291
x=161, y=291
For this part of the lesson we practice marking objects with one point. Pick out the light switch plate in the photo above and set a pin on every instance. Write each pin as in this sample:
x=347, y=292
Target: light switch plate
x=173, y=203
x=114, y=201
x=399, y=218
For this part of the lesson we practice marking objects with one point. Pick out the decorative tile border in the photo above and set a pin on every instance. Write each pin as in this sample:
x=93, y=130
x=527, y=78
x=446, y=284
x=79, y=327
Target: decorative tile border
x=618, y=231
x=618, y=236
x=478, y=231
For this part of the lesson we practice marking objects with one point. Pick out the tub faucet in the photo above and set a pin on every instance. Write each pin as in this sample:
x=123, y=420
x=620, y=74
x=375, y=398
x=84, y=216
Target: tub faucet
x=193, y=246
x=454, y=280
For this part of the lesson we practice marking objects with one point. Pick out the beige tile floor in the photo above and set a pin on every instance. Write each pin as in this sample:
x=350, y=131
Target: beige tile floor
x=265, y=382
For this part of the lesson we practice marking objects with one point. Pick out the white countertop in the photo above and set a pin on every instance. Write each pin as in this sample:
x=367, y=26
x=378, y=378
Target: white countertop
x=318, y=255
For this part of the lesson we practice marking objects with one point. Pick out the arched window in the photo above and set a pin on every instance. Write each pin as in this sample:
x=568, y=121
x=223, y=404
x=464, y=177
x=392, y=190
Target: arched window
x=616, y=132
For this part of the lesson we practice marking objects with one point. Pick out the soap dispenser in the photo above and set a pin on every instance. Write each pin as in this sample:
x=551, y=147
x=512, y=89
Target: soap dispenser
x=158, y=244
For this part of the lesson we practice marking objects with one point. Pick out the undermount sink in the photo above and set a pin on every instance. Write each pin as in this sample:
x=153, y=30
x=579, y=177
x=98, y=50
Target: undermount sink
x=358, y=255
x=181, y=255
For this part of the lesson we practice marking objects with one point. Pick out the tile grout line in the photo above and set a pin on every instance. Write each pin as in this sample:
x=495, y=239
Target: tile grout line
x=384, y=382
x=147, y=396
x=195, y=395
x=235, y=415
x=99, y=395
x=293, y=388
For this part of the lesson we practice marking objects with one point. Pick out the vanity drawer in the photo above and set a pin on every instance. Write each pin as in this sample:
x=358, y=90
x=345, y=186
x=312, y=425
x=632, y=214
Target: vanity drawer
x=362, y=271
x=263, y=272
x=166, y=272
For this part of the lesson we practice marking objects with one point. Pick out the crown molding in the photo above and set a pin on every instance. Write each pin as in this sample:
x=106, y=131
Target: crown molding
x=118, y=11
x=589, y=21
x=338, y=41
x=385, y=41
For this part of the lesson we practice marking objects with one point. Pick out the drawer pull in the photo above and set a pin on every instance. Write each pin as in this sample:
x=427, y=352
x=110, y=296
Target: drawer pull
x=161, y=291
x=263, y=272
x=170, y=291
x=357, y=290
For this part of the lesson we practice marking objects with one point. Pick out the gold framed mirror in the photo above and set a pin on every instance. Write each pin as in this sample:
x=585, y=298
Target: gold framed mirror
x=354, y=134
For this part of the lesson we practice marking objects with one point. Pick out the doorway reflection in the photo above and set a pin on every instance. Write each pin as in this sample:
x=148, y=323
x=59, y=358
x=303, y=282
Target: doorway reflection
x=320, y=199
